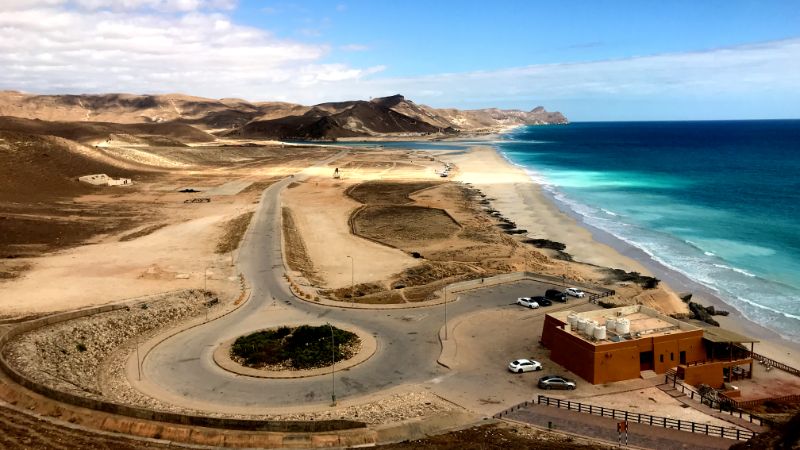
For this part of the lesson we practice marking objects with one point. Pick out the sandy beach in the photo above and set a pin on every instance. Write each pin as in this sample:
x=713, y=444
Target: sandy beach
x=521, y=199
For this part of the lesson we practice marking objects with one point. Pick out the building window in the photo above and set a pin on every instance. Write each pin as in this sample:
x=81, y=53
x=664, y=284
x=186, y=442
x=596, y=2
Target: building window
x=661, y=358
x=671, y=356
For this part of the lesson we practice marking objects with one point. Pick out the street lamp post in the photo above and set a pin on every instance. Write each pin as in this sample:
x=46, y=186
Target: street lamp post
x=352, y=280
x=138, y=363
x=333, y=367
x=445, y=313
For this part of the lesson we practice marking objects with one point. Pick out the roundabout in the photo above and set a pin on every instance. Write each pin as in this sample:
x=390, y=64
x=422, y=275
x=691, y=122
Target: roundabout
x=364, y=350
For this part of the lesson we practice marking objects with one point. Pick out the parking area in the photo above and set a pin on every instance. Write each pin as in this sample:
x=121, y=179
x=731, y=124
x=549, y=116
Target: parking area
x=503, y=331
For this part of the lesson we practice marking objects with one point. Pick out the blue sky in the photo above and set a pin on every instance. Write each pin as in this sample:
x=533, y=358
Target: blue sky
x=593, y=60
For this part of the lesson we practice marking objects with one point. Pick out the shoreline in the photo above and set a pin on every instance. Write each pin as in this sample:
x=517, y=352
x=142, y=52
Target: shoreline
x=490, y=170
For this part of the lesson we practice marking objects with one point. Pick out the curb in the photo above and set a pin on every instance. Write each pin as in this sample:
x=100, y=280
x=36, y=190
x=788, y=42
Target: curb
x=159, y=338
x=223, y=360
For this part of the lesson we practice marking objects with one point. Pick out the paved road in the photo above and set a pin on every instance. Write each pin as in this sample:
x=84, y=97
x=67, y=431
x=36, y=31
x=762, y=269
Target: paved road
x=181, y=369
x=606, y=428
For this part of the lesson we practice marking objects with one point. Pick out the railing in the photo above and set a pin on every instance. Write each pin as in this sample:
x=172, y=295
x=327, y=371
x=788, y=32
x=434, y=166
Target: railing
x=647, y=419
x=508, y=411
x=722, y=400
x=769, y=362
x=746, y=404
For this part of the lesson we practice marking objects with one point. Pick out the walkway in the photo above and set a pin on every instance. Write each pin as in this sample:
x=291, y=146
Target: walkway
x=606, y=428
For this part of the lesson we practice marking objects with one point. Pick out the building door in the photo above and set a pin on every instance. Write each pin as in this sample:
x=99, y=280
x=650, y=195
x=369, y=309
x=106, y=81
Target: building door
x=682, y=357
x=646, y=360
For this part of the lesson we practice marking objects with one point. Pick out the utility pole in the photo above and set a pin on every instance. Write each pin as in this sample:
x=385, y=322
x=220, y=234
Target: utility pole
x=138, y=364
x=445, y=313
x=333, y=367
x=352, y=280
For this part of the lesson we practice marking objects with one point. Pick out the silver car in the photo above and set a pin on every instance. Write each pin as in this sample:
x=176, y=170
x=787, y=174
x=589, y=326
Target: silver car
x=556, y=382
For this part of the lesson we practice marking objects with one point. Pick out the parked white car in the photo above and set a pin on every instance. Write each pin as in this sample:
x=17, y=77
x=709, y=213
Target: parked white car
x=575, y=292
x=527, y=302
x=524, y=365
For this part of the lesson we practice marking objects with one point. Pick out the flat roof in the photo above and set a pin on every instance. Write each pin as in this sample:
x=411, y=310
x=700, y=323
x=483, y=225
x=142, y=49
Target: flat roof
x=644, y=322
x=721, y=335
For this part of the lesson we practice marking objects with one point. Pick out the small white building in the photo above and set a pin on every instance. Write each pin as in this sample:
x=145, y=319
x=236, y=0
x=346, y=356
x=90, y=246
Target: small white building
x=102, y=179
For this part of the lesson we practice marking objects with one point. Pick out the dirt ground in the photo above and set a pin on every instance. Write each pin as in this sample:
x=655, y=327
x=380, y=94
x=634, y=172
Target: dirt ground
x=501, y=437
x=20, y=431
x=66, y=244
x=408, y=233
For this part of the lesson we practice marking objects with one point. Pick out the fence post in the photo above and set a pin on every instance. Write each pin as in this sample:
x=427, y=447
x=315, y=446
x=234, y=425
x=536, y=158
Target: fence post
x=679, y=424
x=737, y=434
x=706, y=429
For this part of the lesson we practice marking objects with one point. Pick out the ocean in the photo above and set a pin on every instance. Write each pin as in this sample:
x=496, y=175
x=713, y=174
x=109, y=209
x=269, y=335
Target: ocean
x=718, y=201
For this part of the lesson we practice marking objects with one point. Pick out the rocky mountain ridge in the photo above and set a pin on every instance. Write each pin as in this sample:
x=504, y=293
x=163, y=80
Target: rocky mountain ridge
x=393, y=115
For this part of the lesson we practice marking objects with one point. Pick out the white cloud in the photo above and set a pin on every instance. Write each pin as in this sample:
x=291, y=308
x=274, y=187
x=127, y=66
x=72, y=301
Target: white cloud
x=132, y=46
x=726, y=73
x=194, y=46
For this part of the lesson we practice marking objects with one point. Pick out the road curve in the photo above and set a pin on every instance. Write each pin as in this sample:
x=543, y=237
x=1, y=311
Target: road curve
x=181, y=370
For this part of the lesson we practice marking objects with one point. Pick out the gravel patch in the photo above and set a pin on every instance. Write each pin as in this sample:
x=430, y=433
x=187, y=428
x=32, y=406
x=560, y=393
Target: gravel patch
x=68, y=356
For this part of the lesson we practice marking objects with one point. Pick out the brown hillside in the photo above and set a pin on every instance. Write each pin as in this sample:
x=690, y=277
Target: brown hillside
x=335, y=120
x=95, y=132
x=39, y=168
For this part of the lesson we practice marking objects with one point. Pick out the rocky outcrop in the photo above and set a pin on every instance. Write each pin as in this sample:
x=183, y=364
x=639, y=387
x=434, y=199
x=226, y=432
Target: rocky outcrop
x=68, y=356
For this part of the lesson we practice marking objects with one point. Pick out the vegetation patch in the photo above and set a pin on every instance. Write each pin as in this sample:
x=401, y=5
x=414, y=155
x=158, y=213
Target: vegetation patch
x=234, y=232
x=296, y=253
x=297, y=348
x=386, y=192
x=395, y=224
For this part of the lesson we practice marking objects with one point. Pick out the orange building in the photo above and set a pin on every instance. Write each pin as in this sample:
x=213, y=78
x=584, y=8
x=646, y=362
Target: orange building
x=618, y=344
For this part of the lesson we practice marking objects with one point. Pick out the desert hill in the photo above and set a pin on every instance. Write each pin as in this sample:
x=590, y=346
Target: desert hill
x=171, y=115
x=336, y=120
x=387, y=115
x=201, y=112
x=35, y=168
x=93, y=133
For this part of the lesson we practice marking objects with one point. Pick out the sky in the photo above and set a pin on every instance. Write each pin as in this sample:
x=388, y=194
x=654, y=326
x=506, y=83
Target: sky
x=591, y=60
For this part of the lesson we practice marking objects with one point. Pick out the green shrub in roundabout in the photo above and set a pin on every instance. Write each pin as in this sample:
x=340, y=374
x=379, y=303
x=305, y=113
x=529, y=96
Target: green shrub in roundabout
x=303, y=347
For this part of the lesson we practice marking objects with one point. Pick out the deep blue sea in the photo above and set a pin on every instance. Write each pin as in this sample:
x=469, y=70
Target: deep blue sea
x=718, y=201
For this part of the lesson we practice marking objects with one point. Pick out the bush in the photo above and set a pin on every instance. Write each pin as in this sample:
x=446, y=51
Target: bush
x=304, y=347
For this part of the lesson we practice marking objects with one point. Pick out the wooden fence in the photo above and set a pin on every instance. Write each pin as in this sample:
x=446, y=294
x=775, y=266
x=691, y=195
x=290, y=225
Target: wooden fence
x=647, y=419
x=747, y=404
x=722, y=402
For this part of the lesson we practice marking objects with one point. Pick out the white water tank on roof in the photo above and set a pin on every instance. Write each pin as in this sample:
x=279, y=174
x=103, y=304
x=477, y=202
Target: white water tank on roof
x=623, y=326
x=590, y=326
x=582, y=325
x=600, y=332
x=572, y=319
x=611, y=323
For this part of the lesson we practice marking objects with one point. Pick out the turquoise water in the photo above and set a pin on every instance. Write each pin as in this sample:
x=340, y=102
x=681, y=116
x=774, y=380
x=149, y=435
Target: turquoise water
x=716, y=201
